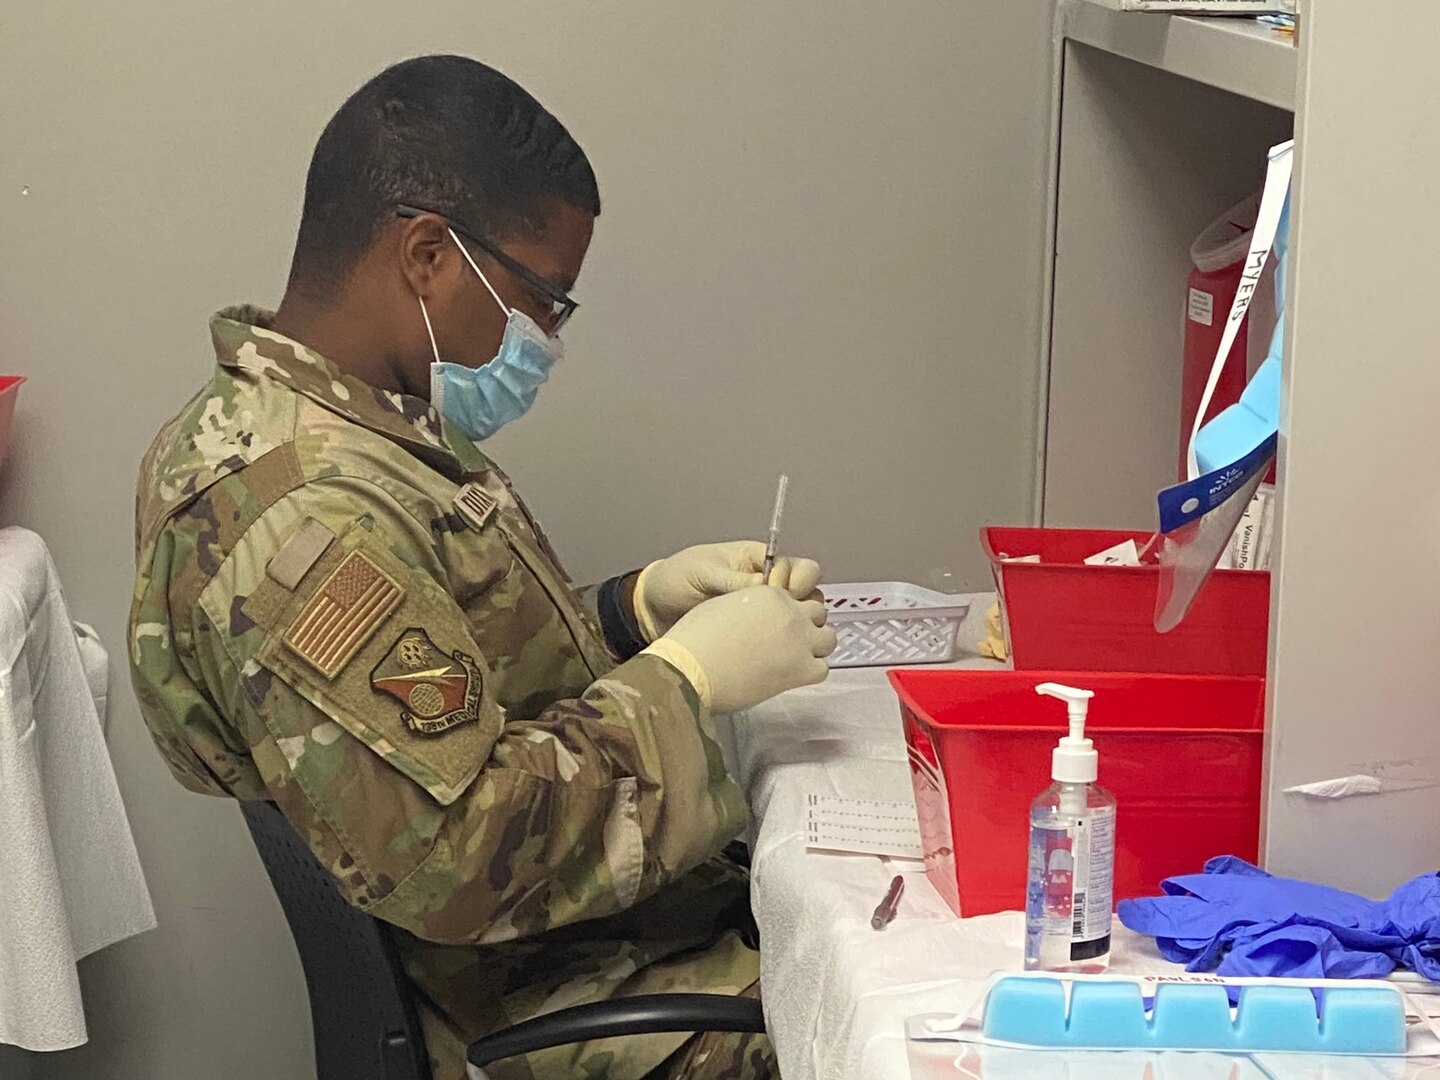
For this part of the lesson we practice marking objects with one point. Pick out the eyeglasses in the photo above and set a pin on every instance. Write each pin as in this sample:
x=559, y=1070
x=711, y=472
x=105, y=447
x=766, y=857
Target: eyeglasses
x=560, y=305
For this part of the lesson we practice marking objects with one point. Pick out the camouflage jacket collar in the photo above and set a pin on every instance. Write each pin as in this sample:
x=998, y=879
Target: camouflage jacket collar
x=244, y=342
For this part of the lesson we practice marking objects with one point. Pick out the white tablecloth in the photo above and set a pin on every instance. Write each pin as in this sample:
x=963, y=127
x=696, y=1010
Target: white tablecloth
x=70, y=881
x=837, y=993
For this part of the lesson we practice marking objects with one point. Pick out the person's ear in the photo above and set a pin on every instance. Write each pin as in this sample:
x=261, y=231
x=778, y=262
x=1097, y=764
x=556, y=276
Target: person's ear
x=427, y=254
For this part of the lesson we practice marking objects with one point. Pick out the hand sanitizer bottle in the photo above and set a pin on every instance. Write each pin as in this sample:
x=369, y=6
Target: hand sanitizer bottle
x=1069, y=893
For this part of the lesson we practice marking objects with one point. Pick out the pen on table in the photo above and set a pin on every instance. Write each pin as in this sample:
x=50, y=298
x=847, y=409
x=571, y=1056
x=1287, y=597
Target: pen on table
x=774, y=540
x=885, y=913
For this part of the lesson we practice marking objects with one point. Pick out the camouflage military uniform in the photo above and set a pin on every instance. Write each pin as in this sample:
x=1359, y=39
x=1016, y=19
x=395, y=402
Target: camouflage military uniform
x=343, y=607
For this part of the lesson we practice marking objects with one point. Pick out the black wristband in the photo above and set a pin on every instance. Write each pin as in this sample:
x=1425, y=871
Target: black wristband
x=617, y=621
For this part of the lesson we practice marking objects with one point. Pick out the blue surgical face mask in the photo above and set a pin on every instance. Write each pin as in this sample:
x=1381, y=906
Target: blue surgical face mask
x=480, y=401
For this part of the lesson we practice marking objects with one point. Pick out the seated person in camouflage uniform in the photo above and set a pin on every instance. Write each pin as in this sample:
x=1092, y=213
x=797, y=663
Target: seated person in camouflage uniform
x=343, y=606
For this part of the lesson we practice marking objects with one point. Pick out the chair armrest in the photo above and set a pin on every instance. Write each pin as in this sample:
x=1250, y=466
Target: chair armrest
x=642, y=1014
x=738, y=852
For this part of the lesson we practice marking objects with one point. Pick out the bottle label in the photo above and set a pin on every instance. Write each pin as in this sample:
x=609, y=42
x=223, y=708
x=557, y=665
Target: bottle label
x=1092, y=901
x=1071, y=893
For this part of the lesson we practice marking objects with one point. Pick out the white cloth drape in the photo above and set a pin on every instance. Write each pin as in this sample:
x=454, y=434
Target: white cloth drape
x=70, y=880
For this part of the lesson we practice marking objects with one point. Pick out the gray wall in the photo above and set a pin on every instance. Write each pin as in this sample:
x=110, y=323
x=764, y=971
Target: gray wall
x=819, y=253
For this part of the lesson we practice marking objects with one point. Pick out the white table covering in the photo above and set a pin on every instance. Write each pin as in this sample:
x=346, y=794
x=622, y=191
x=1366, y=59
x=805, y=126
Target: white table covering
x=838, y=993
x=70, y=881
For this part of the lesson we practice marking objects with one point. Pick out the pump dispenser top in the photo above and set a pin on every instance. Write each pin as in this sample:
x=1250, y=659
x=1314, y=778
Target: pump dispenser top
x=1074, y=760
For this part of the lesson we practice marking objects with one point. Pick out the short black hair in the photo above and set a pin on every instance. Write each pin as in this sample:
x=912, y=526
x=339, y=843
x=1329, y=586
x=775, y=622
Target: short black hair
x=444, y=133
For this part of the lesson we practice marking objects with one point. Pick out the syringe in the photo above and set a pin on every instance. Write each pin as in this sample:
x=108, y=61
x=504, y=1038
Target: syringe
x=773, y=542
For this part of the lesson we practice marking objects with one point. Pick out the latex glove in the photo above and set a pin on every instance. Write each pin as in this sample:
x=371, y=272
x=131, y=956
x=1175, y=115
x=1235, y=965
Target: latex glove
x=667, y=589
x=745, y=647
x=994, y=644
x=1236, y=919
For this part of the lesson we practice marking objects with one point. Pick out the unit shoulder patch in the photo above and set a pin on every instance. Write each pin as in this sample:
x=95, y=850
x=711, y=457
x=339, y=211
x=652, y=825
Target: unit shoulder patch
x=438, y=690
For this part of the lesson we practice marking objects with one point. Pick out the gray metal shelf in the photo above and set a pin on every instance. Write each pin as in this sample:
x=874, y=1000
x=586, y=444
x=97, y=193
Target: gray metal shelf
x=1234, y=54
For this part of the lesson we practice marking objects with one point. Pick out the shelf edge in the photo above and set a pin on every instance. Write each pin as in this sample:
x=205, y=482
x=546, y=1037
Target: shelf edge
x=1237, y=57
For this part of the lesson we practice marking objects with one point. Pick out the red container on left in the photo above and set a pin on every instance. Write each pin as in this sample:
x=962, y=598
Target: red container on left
x=9, y=392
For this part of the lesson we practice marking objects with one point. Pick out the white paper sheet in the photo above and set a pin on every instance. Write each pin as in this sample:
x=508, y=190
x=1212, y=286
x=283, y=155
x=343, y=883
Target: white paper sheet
x=864, y=826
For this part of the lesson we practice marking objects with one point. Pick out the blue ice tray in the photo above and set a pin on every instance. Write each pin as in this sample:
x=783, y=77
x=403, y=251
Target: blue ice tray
x=1111, y=1015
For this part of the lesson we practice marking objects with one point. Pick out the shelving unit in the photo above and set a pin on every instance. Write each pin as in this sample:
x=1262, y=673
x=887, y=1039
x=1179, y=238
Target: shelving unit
x=1160, y=123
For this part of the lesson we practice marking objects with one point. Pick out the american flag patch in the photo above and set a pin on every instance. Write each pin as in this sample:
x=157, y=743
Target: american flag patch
x=343, y=613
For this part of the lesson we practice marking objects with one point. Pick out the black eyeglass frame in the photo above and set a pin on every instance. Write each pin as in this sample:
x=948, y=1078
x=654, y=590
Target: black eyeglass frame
x=515, y=266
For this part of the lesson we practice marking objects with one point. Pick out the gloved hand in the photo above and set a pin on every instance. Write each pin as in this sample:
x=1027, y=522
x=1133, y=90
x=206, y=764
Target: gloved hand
x=667, y=589
x=994, y=644
x=745, y=647
x=1235, y=919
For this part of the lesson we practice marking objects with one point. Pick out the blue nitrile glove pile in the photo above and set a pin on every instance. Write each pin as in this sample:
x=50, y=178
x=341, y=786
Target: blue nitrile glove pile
x=1235, y=919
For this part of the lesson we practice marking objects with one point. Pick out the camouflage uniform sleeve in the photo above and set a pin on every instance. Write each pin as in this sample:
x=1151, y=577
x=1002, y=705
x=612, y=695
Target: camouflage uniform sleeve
x=369, y=713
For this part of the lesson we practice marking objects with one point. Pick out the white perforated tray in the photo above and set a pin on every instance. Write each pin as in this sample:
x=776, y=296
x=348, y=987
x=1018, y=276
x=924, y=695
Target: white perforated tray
x=893, y=622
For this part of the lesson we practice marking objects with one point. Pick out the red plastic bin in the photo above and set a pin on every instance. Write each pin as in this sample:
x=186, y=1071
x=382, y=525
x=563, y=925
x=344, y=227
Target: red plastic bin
x=1061, y=614
x=9, y=391
x=1180, y=753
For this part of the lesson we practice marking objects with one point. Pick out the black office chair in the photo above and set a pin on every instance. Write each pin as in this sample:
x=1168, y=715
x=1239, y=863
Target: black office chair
x=361, y=1004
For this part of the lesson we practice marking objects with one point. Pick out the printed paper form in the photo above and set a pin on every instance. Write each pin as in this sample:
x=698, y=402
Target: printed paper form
x=864, y=826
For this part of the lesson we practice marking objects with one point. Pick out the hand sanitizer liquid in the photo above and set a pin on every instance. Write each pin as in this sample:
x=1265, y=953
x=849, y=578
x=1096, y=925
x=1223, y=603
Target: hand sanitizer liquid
x=1069, y=895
